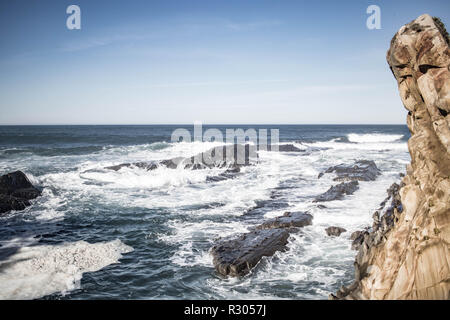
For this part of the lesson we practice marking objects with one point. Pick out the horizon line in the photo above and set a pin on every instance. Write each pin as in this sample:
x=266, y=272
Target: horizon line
x=209, y=124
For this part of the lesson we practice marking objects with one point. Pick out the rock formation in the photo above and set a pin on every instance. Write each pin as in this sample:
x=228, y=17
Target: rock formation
x=236, y=256
x=338, y=191
x=334, y=231
x=16, y=191
x=408, y=257
x=361, y=170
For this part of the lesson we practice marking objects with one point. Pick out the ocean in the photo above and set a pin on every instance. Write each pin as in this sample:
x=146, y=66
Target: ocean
x=137, y=234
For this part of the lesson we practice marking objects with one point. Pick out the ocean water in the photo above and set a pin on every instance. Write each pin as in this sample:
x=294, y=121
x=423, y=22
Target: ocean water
x=136, y=234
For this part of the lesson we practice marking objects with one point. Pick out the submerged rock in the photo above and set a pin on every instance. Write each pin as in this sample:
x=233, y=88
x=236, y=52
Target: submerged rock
x=337, y=192
x=361, y=170
x=335, y=231
x=15, y=191
x=289, y=148
x=230, y=173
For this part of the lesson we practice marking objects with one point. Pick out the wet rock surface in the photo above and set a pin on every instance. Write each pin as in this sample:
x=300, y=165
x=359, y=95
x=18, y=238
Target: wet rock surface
x=217, y=157
x=334, y=231
x=230, y=173
x=236, y=256
x=361, y=170
x=16, y=191
x=288, y=220
x=337, y=192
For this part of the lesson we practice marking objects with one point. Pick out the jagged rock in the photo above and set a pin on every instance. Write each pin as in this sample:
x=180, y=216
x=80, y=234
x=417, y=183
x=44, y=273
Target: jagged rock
x=407, y=256
x=218, y=157
x=288, y=220
x=15, y=191
x=361, y=170
x=357, y=238
x=236, y=257
x=337, y=192
x=335, y=231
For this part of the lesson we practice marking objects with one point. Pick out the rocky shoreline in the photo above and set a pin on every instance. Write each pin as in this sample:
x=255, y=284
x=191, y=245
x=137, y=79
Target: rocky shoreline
x=406, y=253
x=237, y=255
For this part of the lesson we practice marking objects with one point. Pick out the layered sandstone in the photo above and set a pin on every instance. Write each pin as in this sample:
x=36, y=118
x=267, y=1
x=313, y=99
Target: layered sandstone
x=409, y=259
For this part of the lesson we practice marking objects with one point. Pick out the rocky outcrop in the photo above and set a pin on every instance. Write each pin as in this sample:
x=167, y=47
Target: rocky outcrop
x=361, y=170
x=337, y=192
x=236, y=256
x=288, y=220
x=218, y=157
x=407, y=255
x=16, y=191
x=334, y=231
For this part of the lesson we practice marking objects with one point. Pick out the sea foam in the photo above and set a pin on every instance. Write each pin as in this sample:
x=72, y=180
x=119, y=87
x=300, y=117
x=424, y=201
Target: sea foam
x=36, y=271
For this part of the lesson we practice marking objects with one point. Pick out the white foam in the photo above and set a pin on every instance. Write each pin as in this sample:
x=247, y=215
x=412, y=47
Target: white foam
x=373, y=137
x=37, y=271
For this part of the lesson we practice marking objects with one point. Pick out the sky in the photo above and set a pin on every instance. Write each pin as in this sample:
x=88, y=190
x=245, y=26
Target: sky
x=214, y=61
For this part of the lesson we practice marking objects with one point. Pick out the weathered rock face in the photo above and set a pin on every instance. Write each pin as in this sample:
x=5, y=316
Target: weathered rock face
x=15, y=191
x=411, y=259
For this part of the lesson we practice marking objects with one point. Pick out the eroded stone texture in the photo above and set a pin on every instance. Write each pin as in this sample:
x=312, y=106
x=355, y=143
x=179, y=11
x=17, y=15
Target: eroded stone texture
x=411, y=259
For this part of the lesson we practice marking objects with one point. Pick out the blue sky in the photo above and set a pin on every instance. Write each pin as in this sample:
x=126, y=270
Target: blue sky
x=156, y=62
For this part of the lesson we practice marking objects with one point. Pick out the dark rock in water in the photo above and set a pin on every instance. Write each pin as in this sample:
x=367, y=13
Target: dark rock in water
x=361, y=170
x=141, y=165
x=289, y=148
x=321, y=206
x=230, y=173
x=15, y=191
x=263, y=206
x=8, y=203
x=335, y=231
x=337, y=192
x=218, y=157
x=236, y=257
x=288, y=220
